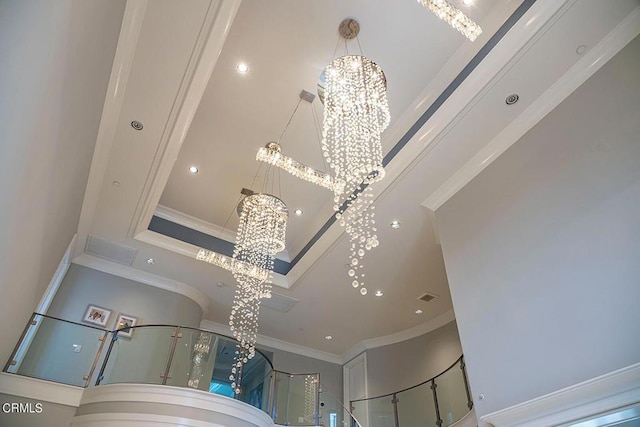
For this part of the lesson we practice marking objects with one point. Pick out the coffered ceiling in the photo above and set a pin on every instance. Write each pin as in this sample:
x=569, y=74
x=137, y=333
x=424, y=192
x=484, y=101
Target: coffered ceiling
x=175, y=72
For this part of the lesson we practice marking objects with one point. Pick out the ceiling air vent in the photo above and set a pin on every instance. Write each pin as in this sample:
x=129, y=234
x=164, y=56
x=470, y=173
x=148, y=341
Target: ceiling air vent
x=279, y=302
x=109, y=250
x=427, y=297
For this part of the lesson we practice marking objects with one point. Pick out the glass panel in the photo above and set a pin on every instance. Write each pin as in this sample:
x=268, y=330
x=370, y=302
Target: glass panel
x=302, y=399
x=416, y=407
x=282, y=397
x=375, y=412
x=332, y=413
x=142, y=358
x=56, y=350
x=255, y=381
x=452, y=395
x=193, y=360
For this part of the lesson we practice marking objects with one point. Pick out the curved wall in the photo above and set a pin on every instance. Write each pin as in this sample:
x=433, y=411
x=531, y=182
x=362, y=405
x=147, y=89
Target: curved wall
x=83, y=286
x=398, y=366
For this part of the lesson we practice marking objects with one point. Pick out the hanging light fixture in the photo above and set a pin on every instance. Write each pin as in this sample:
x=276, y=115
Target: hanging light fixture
x=272, y=154
x=261, y=235
x=454, y=17
x=356, y=112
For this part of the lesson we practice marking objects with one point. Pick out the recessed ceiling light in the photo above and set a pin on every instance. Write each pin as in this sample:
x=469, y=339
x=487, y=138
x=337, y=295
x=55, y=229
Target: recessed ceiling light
x=395, y=224
x=467, y=2
x=512, y=99
x=418, y=311
x=193, y=170
x=242, y=68
x=379, y=293
x=150, y=261
x=328, y=337
x=298, y=212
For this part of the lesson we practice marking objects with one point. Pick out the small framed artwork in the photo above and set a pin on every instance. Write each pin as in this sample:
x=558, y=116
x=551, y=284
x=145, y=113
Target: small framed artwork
x=97, y=315
x=124, y=325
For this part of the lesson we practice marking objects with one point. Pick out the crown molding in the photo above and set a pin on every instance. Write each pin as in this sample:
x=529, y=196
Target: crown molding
x=350, y=354
x=397, y=337
x=591, y=62
x=301, y=350
x=610, y=391
x=194, y=223
x=156, y=281
x=190, y=251
x=40, y=390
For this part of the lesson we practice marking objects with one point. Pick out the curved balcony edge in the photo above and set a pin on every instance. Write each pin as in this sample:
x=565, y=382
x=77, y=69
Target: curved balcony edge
x=147, y=404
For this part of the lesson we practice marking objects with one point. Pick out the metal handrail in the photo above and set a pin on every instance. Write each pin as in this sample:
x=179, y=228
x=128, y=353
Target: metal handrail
x=413, y=386
x=433, y=385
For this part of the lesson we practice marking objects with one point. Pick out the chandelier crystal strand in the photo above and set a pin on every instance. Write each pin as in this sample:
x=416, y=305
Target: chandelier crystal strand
x=356, y=112
x=261, y=235
x=454, y=17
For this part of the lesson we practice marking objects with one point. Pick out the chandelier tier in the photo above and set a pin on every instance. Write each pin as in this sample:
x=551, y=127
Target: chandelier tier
x=260, y=236
x=356, y=112
x=454, y=17
x=272, y=154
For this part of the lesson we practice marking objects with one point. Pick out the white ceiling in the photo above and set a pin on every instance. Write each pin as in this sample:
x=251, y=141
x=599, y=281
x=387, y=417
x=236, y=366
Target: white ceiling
x=175, y=72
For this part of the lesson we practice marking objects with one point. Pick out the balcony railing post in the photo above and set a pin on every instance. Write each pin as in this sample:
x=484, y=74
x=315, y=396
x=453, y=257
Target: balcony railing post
x=102, y=339
x=114, y=338
x=271, y=406
x=466, y=383
x=176, y=336
x=12, y=361
x=435, y=401
x=317, y=416
x=395, y=409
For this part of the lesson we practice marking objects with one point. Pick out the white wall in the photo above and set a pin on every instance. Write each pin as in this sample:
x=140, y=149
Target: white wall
x=82, y=286
x=542, y=249
x=56, y=60
x=399, y=366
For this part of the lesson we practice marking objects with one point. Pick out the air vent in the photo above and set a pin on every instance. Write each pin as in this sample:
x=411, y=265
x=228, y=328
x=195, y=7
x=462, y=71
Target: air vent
x=109, y=250
x=279, y=302
x=427, y=297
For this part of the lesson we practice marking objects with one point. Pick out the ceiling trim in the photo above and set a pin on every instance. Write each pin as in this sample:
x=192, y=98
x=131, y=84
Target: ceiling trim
x=401, y=336
x=206, y=52
x=350, y=354
x=194, y=223
x=190, y=251
x=591, y=62
x=123, y=60
x=154, y=280
x=276, y=343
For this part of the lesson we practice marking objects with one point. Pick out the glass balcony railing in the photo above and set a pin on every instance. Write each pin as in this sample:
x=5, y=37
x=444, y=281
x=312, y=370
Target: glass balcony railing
x=81, y=355
x=440, y=401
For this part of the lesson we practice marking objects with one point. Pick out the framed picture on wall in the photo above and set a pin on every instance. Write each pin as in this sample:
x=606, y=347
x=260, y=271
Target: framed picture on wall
x=124, y=325
x=97, y=315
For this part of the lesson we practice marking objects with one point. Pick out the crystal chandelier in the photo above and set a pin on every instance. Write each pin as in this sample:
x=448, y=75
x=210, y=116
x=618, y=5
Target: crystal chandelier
x=261, y=235
x=454, y=17
x=356, y=112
